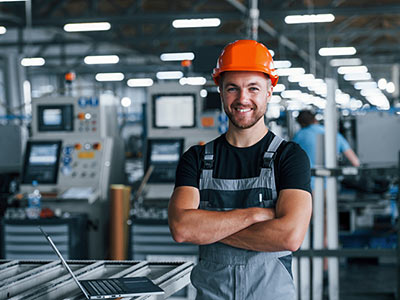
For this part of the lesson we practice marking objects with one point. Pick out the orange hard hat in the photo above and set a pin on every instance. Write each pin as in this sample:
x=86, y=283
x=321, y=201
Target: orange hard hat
x=245, y=55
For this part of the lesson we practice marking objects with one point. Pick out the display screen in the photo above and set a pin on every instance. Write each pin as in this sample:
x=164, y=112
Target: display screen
x=52, y=116
x=163, y=155
x=55, y=118
x=175, y=110
x=41, y=161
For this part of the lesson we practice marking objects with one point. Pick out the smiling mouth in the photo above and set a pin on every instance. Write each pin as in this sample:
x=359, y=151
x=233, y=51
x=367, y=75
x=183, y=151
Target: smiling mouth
x=243, y=110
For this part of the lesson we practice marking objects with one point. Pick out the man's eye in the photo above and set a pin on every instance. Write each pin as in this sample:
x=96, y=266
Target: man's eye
x=253, y=89
x=231, y=89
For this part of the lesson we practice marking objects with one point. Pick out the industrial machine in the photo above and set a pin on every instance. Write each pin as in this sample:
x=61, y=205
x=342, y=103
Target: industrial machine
x=74, y=154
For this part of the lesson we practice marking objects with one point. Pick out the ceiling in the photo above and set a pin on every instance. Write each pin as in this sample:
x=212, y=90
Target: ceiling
x=142, y=29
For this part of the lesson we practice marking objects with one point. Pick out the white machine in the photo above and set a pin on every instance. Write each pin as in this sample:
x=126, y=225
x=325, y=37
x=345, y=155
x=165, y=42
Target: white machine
x=75, y=153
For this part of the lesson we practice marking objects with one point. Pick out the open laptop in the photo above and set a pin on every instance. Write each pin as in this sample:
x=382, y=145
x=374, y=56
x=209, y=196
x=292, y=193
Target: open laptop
x=109, y=288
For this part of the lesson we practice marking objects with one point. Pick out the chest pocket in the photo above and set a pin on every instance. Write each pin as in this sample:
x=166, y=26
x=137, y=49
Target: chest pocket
x=227, y=194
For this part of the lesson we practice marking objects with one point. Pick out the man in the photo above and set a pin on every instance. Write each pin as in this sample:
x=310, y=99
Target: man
x=244, y=197
x=306, y=137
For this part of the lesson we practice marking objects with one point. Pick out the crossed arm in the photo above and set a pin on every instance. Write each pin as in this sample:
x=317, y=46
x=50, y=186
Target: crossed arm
x=255, y=228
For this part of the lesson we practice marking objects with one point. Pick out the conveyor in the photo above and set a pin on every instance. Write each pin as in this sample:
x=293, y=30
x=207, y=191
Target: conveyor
x=39, y=279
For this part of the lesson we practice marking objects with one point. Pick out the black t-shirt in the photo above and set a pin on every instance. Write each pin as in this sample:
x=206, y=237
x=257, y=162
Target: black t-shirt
x=292, y=166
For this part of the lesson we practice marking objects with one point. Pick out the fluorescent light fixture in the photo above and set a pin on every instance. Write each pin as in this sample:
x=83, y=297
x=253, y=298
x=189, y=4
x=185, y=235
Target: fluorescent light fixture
x=110, y=76
x=275, y=99
x=3, y=30
x=279, y=88
x=379, y=101
x=311, y=83
x=177, y=56
x=290, y=71
x=291, y=94
x=355, y=104
x=300, y=77
x=357, y=76
x=101, y=59
x=95, y=26
x=342, y=98
x=126, y=101
x=336, y=51
x=278, y=64
x=301, y=19
x=169, y=75
x=140, y=82
x=337, y=62
x=272, y=52
x=362, y=85
x=390, y=87
x=193, y=23
x=382, y=83
x=371, y=92
x=352, y=69
x=12, y=0
x=33, y=61
x=192, y=80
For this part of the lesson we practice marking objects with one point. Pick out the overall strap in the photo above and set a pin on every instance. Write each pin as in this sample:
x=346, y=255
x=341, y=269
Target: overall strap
x=270, y=154
x=207, y=163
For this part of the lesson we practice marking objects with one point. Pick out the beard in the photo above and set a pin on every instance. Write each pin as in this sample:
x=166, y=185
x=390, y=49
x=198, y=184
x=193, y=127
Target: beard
x=245, y=122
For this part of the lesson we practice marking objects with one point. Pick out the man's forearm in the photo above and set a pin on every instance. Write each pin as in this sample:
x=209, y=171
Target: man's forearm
x=205, y=227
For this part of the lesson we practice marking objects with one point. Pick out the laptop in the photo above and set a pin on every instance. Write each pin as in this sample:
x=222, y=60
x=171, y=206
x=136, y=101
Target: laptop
x=110, y=287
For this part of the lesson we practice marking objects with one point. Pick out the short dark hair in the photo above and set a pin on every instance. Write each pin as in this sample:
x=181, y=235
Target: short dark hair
x=306, y=118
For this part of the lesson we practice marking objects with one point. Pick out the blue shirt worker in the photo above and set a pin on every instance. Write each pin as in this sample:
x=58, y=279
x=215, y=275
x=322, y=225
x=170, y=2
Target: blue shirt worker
x=244, y=197
x=306, y=137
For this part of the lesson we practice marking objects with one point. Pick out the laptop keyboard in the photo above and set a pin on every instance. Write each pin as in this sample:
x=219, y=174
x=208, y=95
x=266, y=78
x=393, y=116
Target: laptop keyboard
x=107, y=287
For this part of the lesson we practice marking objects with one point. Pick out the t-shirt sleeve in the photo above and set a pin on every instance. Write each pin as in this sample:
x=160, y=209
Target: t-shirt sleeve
x=294, y=168
x=342, y=143
x=187, y=171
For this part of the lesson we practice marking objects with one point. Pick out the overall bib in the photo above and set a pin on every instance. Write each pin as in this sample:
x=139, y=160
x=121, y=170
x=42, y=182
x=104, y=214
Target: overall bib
x=226, y=272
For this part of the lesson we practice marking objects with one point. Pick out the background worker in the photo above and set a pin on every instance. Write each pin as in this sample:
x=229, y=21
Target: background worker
x=245, y=196
x=306, y=137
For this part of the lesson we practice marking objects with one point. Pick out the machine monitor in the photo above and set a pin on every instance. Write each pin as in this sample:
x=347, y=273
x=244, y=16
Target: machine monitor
x=174, y=111
x=163, y=155
x=55, y=117
x=41, y=162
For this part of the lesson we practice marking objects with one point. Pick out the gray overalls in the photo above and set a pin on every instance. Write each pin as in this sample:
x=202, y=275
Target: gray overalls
x=226, y=272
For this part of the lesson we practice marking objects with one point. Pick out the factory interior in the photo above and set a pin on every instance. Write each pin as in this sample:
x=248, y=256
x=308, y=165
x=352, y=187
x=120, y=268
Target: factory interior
x=99, y=100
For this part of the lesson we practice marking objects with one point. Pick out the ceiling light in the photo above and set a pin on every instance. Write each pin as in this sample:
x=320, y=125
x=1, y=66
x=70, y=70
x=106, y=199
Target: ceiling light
x=101, y=59
x=95, y=26
x=192, y=23
x=337, y=62
x=12, y=0
x=126, y=101
x=390, y=87
x=282, y=64
x=272, y=52
x=177, y=56
x=279, y=88
x=203, y=93
x=382, y=83
x=380, y=101
x=362, y=85
x=33, y=61
x=357, y=76
x=192, y=80
x=169, y=75
x=351, y=70
x=371, y=92
x=3, y=30
x=300, y=77
x=110, y=76
x=140, y=82
x=291, y=94
x=301, y=19
x=275, y=99
x=310, y=83
x=290, y=71
x=335, y=51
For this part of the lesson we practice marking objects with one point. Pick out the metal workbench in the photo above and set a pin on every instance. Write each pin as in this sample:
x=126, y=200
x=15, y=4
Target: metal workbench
x=38, y=279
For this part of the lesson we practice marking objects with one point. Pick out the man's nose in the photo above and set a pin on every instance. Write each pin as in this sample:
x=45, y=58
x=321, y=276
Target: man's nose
x=243, y=95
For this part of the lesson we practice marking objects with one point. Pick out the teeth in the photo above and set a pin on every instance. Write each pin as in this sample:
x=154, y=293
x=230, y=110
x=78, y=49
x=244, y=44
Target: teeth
x=243, y=109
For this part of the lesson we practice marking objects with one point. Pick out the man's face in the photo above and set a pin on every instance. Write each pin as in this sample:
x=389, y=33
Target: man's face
x=244, y=95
